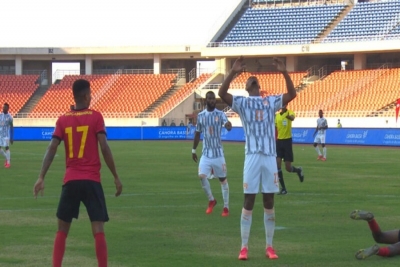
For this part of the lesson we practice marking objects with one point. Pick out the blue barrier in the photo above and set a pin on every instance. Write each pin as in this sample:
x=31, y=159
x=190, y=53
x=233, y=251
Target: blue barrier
x=342, y=136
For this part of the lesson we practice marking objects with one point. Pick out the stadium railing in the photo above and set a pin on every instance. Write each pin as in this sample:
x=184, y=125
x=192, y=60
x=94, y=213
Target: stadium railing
x=304, y=41
x=54, y=115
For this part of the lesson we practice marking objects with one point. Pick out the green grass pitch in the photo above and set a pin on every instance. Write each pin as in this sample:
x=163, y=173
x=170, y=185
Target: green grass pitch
x=160, y=219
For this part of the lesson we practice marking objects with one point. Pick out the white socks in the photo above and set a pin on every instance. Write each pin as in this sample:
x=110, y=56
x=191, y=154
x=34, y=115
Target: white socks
x=318, y=151
x=269, y=224
x=225, y=193
x=245, y=225
x=207, y=189
x=8, y=156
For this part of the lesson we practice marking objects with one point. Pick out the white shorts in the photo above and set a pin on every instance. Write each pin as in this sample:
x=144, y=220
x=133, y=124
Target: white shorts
x=217, y=166
x=4, y=142
x=319, y=138
x=260, y=169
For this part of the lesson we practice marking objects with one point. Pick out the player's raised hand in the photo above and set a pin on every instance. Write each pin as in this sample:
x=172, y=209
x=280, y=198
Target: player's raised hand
x=118, y=186
x=38, y=187
x=279, y=64
x=239, y=65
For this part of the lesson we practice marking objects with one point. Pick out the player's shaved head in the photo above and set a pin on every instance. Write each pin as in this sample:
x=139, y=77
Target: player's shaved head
x=5, y=108
x=210, y=100
x=210, y=94
x=252, y=85
x=80, y=88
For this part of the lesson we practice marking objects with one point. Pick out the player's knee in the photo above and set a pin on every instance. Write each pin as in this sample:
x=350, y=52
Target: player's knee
x=378, y=238
x=202, y=176
x=97, y=227
x=268, y=200
x=249, y=200
x=7, y=148
x=323, y=145
x=315, y=144
x=223, y=180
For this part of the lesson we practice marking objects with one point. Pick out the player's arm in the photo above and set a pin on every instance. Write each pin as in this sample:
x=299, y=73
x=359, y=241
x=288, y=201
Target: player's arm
x=316, y=130
x=326, y=126
x=11, y=132
x=108, y=158
x=196, y=141
x=223, y=90
x=290, y=116
x=226, y=123
x=291, y=91
x=47, y=160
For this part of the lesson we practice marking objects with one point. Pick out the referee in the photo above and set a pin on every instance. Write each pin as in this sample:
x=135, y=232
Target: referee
x=284, y=148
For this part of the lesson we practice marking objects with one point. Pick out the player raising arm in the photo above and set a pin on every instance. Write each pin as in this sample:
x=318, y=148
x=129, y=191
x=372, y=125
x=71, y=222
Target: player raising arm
x=81, y=129
x=258, y=119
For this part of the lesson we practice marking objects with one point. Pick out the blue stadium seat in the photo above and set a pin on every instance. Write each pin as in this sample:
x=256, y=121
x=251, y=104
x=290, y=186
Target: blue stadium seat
x=367, y=19
x=289, y=24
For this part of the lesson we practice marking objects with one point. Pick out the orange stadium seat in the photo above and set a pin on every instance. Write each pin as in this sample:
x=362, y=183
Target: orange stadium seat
x=58, y=98
x=180, y=95
x=347, y=93
x=17, y=89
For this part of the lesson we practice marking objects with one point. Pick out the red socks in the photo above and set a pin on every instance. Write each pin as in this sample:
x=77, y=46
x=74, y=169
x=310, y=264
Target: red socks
x=373, y=225
x=384, y=252
x=101, y=249
x=59, y=248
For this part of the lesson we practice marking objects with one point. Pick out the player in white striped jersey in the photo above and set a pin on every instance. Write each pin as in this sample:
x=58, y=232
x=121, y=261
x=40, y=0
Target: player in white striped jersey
x=6, y=134
x=320, y=135
x=258, y=118
x=210, y=122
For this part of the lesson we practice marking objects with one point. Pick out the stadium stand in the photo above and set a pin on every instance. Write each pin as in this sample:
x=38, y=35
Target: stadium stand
x=16, y=90
x=367, y=19
x=394, y=34
x=58, y=98
x=375, y=96
x=133, y=93
x=271, y=82
x=126, y=93
x=281, y=25
x=350, y=93
x=181, y=94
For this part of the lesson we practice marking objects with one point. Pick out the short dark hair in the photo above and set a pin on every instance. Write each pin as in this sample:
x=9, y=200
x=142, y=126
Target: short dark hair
x=210, y=92
x=6, y=104
x=80, y=87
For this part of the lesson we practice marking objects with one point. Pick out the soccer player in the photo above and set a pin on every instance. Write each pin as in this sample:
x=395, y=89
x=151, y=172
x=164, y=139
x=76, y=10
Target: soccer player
x=389, y=237
x=212, y=162
x=258, y=119
x=284, y=147
x=320, y=135
x=81, y=129
x=6, y=134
